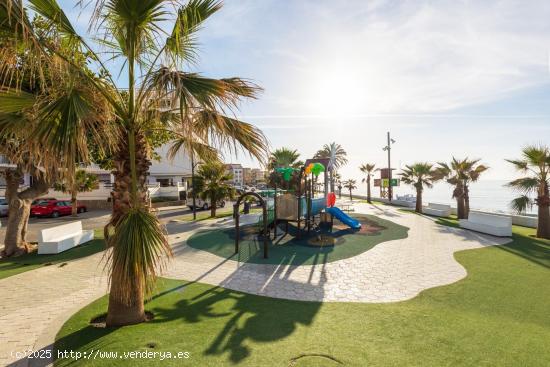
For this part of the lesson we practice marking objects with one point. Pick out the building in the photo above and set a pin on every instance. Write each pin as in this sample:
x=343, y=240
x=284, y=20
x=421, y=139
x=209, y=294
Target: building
x=236, y=171
x=168, y=179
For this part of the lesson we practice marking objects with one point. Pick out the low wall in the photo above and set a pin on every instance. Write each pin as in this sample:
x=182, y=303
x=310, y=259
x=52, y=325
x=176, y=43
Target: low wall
x=530, y=221
x=96, y=204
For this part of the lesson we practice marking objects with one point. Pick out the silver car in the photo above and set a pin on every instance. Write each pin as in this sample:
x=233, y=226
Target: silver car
x=3, y=207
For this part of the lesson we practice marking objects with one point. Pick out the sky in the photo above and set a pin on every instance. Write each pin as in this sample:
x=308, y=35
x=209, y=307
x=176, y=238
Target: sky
x=446, y=78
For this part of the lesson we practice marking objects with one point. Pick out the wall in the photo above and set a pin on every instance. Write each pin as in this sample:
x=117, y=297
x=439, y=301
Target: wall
x=529, y=221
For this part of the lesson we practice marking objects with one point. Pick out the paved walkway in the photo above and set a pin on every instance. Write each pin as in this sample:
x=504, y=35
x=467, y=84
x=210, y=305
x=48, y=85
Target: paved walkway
x=391, y=271
x=43, y=299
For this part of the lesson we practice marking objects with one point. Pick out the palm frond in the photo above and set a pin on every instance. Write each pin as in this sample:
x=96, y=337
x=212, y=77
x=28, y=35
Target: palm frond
x=232, y=134
x=527, y=185
x=52, y=12
x=140, y=249
x=520, y=204
x=182, y=43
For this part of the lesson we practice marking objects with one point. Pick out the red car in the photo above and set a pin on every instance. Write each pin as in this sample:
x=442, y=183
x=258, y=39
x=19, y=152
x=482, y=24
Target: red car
x=53, y=208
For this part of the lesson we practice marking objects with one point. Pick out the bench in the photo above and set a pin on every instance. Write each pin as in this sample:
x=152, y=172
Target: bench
x=61, y=238
x=437, y=210
x=488, y=223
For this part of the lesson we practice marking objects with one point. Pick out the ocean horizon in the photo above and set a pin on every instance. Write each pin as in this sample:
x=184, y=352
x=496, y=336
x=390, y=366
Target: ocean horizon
x=486, y=195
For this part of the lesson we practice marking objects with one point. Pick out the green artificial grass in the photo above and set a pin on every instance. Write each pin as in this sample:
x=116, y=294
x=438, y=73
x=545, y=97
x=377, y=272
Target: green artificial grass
x=288, y=250
x=497, y=316
x=21, y=264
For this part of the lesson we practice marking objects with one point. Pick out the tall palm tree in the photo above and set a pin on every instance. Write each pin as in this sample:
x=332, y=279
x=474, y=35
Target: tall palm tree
x=460, y=173
x=154, y=63
x=337, y=156
x=473, y=172
x=367, y=169
x=419, y=175
x=350, y=185
x=213, y=184
x=535, y=164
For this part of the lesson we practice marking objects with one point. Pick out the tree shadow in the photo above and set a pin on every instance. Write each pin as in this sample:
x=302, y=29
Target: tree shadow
x=251, y=317
x=535, y=250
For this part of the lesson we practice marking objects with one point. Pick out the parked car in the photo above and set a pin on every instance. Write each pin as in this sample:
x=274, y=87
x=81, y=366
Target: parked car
x=54, y=208
x=3, y=207
x=203, y=204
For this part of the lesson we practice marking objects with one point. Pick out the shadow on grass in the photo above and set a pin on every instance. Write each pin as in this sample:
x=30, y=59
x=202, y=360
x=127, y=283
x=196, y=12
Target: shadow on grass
x=228, y=320
x=21, y=264
x=524, y=244
x=250, y=318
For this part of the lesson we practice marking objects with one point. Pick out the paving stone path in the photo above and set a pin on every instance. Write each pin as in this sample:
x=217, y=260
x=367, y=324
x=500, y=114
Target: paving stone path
x=35, y=304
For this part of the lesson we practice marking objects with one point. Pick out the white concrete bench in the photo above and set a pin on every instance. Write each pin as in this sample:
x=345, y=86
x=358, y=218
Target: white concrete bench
x=61, y=238
x=488, y=223
x=437, y=210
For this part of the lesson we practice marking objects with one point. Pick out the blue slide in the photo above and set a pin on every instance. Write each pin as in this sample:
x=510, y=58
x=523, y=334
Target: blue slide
x=343, y=217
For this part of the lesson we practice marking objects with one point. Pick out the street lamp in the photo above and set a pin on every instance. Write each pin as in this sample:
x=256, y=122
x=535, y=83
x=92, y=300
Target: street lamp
x=388, y=149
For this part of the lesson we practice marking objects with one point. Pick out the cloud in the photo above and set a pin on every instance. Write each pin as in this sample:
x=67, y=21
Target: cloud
x=405, y=56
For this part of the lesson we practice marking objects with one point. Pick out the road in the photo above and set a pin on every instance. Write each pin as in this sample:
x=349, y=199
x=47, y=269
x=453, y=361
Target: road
x=90, y=220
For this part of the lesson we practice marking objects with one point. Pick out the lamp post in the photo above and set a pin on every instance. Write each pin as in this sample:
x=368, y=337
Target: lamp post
x=388, y=149
x=193, y=193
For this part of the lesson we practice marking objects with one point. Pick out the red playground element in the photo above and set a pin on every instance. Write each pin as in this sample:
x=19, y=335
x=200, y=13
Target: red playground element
x=331, y=199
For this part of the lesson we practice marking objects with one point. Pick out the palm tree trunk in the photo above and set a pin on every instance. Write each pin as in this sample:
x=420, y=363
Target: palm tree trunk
x=350, y=196
x=543, y=203
x=458, y=194
x=15, y=242
x=418, y=207
x=466, y=201
x=368, y=190
x=74, y=206
x=120, y=313
x=213, y=203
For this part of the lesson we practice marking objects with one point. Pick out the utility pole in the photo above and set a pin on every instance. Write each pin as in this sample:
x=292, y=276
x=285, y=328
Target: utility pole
x=388, y=149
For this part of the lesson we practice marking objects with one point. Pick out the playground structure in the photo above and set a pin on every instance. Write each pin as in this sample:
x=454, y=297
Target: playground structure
x=300, y=206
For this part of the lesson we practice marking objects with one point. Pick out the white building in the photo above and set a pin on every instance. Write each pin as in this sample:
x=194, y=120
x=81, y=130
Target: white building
x=167, y=179
x=236, y=170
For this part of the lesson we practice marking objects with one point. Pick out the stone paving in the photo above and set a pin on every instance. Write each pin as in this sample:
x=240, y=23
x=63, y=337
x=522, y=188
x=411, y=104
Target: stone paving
x=391, y=271
x=35, y=304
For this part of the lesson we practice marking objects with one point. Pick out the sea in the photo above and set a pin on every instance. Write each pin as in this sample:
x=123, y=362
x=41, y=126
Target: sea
x=486, y=195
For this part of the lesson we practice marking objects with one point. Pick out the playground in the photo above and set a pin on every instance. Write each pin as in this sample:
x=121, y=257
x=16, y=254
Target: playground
x=296, y=225
x=339, y=243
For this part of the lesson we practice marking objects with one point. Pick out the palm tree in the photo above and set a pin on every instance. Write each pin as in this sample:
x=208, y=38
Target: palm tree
x=473, y=172
x=81, y=182
x=368, y=169
x=284, y=157
x=43, y=102
x=350, y=185
x=419, y=175
x=535, y=164
x=337, y=156
x=202, y=132
x=133, y=31
x=213, y=184
x=459, y=173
